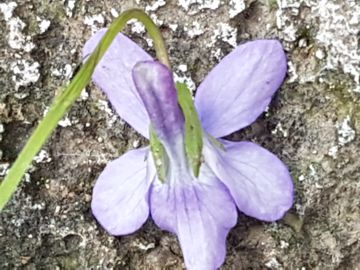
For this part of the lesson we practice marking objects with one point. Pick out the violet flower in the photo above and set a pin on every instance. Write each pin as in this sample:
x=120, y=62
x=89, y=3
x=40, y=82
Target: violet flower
x=199, y=210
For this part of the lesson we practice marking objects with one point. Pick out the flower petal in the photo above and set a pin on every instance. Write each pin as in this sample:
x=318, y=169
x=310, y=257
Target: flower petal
x=240, y=87
x=259, y=182
x=113, y=76
x=201, y=212
x=120, y=195
x=155, y=85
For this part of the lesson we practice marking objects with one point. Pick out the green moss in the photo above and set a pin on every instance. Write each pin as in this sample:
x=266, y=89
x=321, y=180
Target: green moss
x=294, y=221
x=343, y=98
x=272, y=5
x=70, y=262
x=307, y=32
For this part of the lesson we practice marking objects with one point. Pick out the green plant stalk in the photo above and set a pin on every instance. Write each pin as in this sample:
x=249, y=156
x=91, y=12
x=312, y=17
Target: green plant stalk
x=67, y=97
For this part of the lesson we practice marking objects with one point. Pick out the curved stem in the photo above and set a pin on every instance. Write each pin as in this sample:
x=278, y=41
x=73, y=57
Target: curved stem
x=150, y=26
x=63, y=102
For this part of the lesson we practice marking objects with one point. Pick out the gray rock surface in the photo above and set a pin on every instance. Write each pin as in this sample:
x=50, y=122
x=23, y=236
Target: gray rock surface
x=312, y=124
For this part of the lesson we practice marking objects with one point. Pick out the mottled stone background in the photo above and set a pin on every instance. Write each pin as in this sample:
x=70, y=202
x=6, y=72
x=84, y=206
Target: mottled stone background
x=312, y=124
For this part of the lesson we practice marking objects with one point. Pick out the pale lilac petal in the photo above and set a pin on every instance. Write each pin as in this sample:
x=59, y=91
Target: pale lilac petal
x=113, y=76
x=120, y=196
x=240, y=87
x=155, y=85
x=201, y=212
x=259, y=182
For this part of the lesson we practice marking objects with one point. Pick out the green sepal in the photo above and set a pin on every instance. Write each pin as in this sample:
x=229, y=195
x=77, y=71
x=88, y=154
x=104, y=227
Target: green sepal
x=193, y=129
x=159, y=155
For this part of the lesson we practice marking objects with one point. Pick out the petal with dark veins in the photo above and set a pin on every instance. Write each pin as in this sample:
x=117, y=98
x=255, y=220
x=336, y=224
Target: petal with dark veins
x=201, y=212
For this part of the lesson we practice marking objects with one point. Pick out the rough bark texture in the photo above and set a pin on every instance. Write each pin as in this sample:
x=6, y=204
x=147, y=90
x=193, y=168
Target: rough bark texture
x=312, y=124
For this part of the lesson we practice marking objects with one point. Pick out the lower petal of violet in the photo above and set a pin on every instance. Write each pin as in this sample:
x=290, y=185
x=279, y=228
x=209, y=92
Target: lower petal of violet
x=259, y=182
x=120, y=195
x=200, y=211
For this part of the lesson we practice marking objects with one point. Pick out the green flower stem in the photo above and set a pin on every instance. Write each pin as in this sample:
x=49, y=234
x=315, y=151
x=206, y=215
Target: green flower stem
x=67, y=97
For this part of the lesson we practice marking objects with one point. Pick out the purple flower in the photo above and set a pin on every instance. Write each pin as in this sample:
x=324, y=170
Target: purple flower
x=199, y=210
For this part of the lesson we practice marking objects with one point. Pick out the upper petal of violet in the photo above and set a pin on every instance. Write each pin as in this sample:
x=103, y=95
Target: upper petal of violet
x=240, y=87
x=120, y=195
x=113, y=76
x=258, y=181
